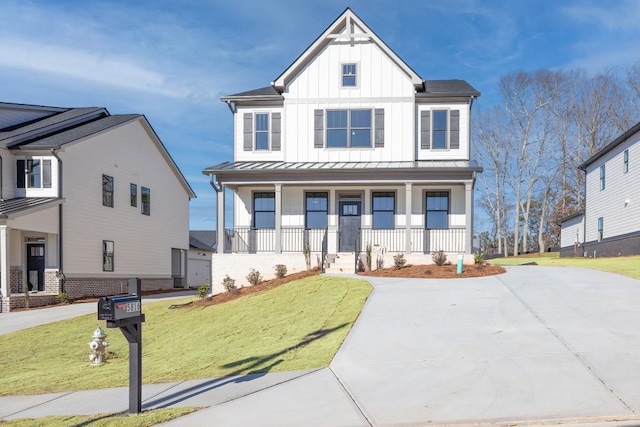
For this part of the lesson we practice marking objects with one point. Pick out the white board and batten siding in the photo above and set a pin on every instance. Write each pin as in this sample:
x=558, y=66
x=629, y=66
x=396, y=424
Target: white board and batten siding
x=619, y=203
x=142, y=243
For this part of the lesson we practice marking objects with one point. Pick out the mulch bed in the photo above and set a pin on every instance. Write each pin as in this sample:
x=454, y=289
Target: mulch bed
x=433, y=271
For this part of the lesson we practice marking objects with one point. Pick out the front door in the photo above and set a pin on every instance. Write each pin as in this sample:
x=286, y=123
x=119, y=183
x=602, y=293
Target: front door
x=35, y=266
x=349, y=225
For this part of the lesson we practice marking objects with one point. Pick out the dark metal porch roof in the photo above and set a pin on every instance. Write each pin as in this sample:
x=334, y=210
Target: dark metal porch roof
x=23, y=205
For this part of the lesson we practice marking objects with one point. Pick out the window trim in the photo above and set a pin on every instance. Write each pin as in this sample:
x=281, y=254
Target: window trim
x=24, y=176
x=107, y=193
x=145, y=207
x=253, y=205
x=106, y=255
x=346, y=74
x=385, y=194
x=426, y=210
x=348, y=129
x=267, y=132
x=602, y=177
x=317, y=194
x=625, y=161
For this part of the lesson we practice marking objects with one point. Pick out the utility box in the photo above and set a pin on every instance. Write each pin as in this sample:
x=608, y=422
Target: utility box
x=115, y=308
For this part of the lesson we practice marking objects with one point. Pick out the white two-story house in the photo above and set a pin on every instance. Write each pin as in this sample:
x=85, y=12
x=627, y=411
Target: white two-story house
x=610, y=222
x=87, y=200
x=349, y=147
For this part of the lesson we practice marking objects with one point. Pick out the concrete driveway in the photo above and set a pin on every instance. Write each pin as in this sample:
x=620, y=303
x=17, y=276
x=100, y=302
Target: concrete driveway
x=537, y=345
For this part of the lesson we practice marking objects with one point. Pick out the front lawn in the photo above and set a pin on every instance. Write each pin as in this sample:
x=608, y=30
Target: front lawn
x=625, y=265
x=298, y=325
x=144, y=419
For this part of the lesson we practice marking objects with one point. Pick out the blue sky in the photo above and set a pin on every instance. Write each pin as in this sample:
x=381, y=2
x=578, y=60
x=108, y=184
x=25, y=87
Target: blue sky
x=172, y=60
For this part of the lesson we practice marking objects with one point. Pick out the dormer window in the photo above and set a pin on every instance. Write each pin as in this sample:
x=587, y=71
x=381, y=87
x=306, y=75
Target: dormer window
x=349, y=75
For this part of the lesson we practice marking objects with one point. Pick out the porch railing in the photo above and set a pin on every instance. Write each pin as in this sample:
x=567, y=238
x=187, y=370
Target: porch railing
x=252, y=240
x=422, y=240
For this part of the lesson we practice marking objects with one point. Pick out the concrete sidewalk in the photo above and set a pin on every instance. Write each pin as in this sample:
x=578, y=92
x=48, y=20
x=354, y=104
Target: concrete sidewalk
x=535, y=346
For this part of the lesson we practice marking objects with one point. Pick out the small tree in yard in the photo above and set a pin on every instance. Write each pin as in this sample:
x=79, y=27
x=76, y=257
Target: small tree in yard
x=306, y=250
x=203, y=290
x=281, y=270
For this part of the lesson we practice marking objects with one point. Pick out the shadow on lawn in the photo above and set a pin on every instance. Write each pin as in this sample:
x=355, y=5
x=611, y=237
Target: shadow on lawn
x=247, y=369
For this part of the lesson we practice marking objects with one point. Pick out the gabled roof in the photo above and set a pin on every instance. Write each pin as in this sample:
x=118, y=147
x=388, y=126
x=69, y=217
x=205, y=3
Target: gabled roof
x=607, y=148
x=50, y=124
x=350, y=22
x=13, y=208
x=19, y=114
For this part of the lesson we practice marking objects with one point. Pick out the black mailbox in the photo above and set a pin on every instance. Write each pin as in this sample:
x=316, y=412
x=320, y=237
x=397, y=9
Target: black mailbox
x=117, y=308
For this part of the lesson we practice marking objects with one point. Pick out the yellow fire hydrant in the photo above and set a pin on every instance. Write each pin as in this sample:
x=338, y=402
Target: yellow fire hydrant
x=98, y=346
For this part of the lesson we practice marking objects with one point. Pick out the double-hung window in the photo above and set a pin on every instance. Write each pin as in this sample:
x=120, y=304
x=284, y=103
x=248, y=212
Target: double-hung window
x=316, y=207
x=262, y=131
x=625, y=161
x=33, y=173
x=348, y=128
x=600, y=229
x=383, y=209
x=107, y=255
x=145, y=196
x=602, y=177
x=264, y=210
x=349, y=76
x=439, y=131
x=134, y=194
x=437, y=210
x=107, y=191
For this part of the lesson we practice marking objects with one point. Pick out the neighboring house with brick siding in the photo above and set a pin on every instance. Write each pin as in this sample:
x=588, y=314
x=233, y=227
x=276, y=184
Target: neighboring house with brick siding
x=87, y=200
x=348, y=147
x=611, y=217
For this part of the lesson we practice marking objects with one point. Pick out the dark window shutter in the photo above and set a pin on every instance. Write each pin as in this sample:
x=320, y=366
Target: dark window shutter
x=454, y=129
x=275, y=131
x=46, y=173
x=318, y=128
x=248, y=132
x=379, y=134
x=20, y=173
x=425, y=130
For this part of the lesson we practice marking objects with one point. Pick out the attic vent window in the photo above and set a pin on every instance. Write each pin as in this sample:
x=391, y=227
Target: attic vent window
x=349, y=75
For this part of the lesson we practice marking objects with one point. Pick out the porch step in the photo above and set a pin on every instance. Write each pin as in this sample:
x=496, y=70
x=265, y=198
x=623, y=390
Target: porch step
x=341, y=263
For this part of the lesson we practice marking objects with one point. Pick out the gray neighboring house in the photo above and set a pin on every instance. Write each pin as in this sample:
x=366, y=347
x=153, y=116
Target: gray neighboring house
x=202, y=245
x=611, y=220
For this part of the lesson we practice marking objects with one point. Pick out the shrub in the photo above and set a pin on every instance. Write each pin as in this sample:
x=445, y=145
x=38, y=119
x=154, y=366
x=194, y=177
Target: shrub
x=439, y=258
x=254, y=277
x=229, y=284
x=281, y=270
x=306, y=250
x=399, y=261
x=63, y=298
x=368, y=258
x=203, y=290
x=478, y=258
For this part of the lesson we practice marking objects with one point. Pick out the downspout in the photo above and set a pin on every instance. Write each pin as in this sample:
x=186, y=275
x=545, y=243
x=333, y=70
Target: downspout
x=60, y=253
x=214, y=183
x=584, y=215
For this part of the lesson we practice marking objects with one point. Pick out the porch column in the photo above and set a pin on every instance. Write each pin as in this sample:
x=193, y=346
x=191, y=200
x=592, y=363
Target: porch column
x=220, y=220
x=407, y=202
x=5, y=273
x=278, y=242
x=468, y=203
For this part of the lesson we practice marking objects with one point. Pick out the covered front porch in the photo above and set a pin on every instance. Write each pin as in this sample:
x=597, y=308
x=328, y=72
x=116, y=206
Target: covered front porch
x=29, y=252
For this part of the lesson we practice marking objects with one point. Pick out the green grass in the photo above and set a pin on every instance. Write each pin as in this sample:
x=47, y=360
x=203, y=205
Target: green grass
x=299, y=325
x=625, y=265
x=144, y=419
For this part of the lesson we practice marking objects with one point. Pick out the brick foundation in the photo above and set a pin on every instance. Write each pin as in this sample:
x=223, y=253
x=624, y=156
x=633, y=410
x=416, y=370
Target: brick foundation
x=82, y=287
x=15, y=281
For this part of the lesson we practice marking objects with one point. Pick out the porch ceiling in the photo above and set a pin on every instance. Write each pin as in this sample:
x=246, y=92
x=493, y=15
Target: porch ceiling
x=14, y=208
x=413, y=171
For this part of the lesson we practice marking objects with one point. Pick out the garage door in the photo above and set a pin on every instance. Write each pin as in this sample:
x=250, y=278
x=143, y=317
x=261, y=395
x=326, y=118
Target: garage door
x=199, y=272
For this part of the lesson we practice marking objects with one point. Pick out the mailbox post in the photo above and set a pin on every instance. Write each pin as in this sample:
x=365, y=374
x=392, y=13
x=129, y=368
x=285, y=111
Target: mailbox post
x=125, y=312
